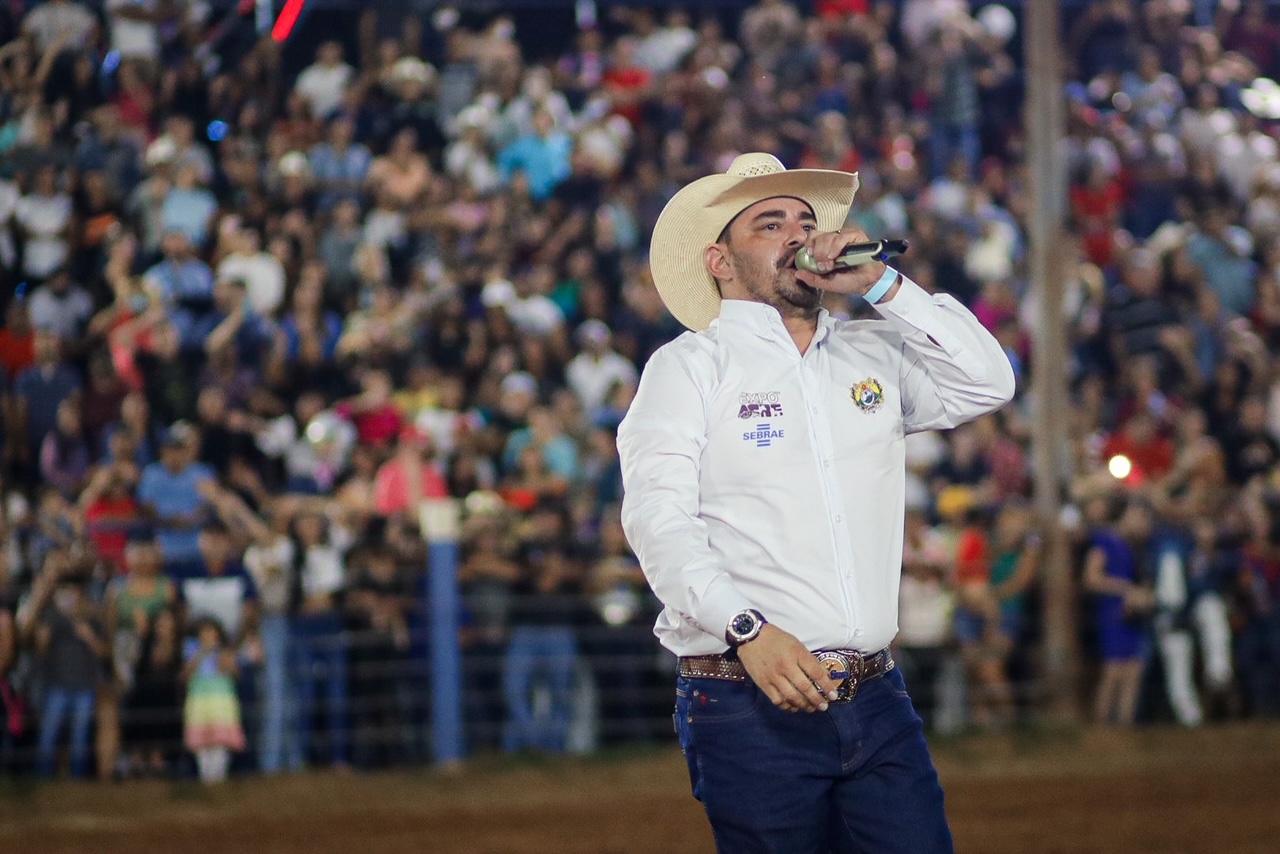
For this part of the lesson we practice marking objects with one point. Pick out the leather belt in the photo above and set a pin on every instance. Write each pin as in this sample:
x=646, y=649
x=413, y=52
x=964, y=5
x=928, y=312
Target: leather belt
x=850, y=667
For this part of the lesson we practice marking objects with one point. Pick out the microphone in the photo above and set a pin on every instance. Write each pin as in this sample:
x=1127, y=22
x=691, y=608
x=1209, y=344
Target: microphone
x=854, y=254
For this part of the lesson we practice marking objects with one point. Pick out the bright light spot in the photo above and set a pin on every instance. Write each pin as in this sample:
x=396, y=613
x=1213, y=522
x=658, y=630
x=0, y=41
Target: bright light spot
x=1120, y=466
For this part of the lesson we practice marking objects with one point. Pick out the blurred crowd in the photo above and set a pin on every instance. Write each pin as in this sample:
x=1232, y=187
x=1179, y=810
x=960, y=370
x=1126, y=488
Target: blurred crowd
x=254, y=315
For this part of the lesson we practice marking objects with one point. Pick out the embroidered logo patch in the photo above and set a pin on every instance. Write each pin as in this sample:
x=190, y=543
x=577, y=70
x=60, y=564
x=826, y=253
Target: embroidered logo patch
x=763, y=435
x=868, y=394
x=759, y=404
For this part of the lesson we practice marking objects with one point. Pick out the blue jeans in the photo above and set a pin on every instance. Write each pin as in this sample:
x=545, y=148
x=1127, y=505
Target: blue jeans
x=549, y=653
x=277, y=745
x=318, y=648
x=856, y=778
x=57, y=703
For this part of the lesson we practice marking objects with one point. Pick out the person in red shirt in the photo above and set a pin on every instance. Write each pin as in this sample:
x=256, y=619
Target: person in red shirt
x=409, y=477
x=1140, y=441
x=1097, y=205
x=627, y=83
x=110, y=512
x=17, y=339
x=372, y=412
x=841, y=8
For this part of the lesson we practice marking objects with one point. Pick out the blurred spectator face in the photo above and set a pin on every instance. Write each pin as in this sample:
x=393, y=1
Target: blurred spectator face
x=452, y=391
x=544, y=424
x=187, y=178
x=1214, y=220
x=1206, y=534
x=1141, y=428
x=405, y=142
x=517, y=396
x=46, y=181
x=122, y=445
x=415, y=444
x=211, y=405
x=1142, y=272
x=1253, y=415
x=134, y=409
x=1206, y=97
x=176, y=246
x=346, y=214
x=143, y=558
x=537, y=84
x=544, y=123
x=69, y=417
x=530, y=461
x=1012, y=525
x=341, y=132
x=310, y=528
x=1135, y=524
x=228, y=294
x=1192, y=425
x=376, y=384
x=181, y=130
x=308, y=297
x=329, y=54
x=48, y=346
x=174, y=456
x=309, y=405
x=215, y=546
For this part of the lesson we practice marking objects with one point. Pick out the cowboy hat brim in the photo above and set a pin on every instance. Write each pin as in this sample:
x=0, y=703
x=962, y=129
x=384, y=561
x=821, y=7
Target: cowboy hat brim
x=698, y=213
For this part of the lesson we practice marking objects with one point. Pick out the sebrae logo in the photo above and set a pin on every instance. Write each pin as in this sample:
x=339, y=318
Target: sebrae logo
x=868, y=395
x=763, y=435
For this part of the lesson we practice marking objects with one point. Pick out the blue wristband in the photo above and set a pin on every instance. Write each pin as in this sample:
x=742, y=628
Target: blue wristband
x=880, y=288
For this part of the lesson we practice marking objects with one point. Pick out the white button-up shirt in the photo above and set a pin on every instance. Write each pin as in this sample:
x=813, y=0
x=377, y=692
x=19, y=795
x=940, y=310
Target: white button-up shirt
x=759, y=477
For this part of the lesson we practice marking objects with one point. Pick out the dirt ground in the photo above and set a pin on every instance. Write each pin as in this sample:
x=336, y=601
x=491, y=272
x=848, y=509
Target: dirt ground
x=1159, y=791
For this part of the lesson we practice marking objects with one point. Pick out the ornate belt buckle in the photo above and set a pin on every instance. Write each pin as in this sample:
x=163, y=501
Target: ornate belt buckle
x=847, y=670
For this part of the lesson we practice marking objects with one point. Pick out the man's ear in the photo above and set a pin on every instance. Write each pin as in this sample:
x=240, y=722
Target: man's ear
x=717, y=261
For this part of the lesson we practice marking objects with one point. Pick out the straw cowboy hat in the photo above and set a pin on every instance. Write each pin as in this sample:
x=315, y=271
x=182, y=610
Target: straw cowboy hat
x=696, y=215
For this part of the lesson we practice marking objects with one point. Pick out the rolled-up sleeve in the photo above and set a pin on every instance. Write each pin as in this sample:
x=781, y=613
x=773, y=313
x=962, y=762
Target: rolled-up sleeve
x=660, y=444
x=953, y=369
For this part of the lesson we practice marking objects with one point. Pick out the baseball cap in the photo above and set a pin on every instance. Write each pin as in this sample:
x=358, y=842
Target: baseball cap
x=519, y=382
x=499, y=292
x=593, y=332
x=180, y=433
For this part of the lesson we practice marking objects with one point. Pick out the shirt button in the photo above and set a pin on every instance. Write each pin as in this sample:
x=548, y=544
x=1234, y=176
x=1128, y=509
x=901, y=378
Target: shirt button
x=839, y=519
x=826, y=463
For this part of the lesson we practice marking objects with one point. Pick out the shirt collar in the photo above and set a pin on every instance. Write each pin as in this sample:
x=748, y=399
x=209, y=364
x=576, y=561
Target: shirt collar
x=764, y=320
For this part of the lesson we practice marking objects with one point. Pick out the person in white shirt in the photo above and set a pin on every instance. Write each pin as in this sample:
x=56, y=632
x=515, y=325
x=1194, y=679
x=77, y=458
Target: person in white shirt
x=323, y=82
x=261, y=272
x=763, y=469
x=59, y=18
x=135, y=30
x=61, y=305
x=594, y=372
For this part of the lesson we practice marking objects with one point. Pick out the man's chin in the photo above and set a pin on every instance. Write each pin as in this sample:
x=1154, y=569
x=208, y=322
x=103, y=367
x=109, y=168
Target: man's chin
x=805, y=297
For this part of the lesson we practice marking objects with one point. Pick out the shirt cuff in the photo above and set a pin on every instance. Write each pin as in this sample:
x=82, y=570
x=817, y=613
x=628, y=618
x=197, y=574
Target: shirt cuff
x=718, y=604
x=909, y=296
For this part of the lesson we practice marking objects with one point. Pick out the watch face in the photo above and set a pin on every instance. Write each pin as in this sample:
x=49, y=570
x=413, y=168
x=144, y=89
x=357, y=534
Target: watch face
x=743, y=624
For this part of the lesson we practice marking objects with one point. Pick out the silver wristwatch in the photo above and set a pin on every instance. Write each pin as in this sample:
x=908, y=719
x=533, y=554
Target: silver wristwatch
x=744, y=626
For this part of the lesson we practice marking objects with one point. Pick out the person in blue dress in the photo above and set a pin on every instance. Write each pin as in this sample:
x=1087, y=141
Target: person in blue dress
x=1114, y=573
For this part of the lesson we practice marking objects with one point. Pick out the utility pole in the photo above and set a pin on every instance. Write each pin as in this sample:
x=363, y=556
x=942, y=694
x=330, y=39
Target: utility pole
x=1042, y=43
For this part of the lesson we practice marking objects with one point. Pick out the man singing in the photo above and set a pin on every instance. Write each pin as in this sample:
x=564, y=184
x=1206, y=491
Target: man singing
x=764, y=472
